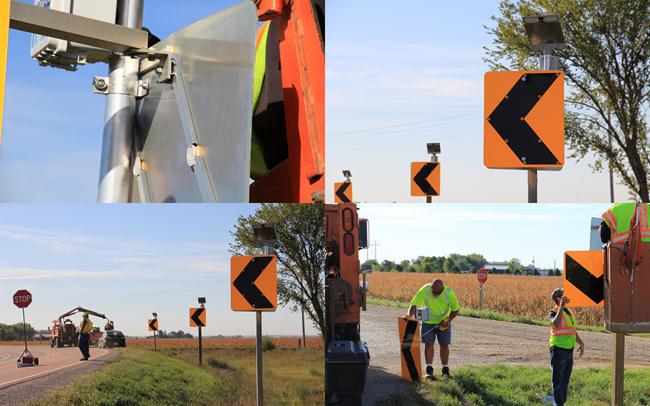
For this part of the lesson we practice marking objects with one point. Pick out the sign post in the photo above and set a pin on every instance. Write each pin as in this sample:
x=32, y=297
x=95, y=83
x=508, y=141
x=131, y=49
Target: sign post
x=254, y=288
x=23, y=299
x=153, y=326
x=482, y=276
x=197, y=319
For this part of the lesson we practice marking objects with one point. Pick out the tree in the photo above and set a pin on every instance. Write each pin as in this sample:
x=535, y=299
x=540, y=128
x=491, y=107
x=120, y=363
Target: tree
x=515, y=266
x=372, y=264
x=300, y=250
x=607, y=66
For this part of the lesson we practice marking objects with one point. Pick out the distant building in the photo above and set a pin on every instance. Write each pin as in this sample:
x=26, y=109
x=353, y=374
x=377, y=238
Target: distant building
x=496, y=267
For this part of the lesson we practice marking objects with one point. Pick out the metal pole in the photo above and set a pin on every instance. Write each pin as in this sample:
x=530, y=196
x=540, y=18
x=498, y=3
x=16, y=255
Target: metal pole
x=618, y=353
x=258, y=351
x=304, y=339
x=25, y=328
x=115, y=176
x=200, y=349
x=480, y=298
x=532, y=186
x=154, y=340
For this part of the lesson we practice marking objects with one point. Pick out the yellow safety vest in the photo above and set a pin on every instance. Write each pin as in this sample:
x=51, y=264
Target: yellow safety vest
x=618, y=219
x=258, y=164
x=86, y=327
x=563, y=336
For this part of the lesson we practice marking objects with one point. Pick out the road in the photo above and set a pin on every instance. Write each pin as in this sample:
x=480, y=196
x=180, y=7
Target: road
x=57, y=367
x=479, y=342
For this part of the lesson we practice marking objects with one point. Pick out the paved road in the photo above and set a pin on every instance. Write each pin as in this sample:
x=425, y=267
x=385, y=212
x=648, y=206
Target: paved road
x=57, y=368
x=479, y=342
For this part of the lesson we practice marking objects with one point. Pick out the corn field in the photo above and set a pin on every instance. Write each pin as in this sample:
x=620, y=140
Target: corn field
x=513, y=295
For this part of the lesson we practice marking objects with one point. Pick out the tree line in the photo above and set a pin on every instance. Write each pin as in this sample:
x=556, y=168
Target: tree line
x=14, y=332
x=455, y=263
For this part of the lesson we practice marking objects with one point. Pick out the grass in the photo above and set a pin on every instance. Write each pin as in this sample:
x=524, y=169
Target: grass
x=140, y=376
x=510, y=386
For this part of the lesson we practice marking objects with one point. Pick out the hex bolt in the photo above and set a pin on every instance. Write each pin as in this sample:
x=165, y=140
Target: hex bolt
x=100, y=84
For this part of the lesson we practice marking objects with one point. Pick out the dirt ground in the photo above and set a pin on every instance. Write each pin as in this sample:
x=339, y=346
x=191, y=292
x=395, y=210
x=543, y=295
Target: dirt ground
x=479, y=342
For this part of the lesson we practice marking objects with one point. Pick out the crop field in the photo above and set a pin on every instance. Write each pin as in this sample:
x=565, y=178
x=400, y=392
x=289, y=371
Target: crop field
x=513, y=295
x=225, y=342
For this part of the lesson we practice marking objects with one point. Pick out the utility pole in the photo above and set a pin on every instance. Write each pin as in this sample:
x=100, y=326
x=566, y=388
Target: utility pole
x=115, y=174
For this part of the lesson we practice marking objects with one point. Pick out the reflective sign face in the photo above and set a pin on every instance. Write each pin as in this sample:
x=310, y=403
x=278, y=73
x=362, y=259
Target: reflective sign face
x=524, y=120
x=583, y=278
x=197, y=317
x=343, y=192
x=254, y=283
x=409, y=338
x=152, y=324
x=425, y=179
x=4, y=42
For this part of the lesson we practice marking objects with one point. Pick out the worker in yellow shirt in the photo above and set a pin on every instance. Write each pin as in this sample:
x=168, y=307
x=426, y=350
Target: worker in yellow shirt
x=440, y=306
x=85, y=328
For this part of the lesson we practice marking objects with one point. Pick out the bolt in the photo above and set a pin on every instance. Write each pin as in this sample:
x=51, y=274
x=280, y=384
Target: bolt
x=101, y=84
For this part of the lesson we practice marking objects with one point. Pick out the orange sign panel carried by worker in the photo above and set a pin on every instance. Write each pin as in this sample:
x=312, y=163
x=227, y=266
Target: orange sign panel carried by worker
x=583, y=278
x=197, y=316
x=4, y=44
x=524, y=120
x=343, y=192
x=254, y=283
x=152, y=324
x=409, y=339
x=425, y=178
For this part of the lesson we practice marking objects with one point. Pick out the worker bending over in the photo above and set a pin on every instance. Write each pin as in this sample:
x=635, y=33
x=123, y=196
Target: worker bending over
x=442, y=305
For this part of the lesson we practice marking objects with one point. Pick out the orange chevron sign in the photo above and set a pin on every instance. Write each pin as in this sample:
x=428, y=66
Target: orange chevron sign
x=343, y=192
x=524, y=120
x=425, y=178
x=409, y=339
x=583, y=278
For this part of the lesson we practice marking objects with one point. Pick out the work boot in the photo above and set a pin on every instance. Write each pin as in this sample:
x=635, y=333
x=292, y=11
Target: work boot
x=445, y=371
x=84, y=359
x=429, y=371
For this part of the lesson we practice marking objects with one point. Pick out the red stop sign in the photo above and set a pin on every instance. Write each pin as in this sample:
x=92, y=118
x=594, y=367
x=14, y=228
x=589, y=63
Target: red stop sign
x=22, y=298
x=482, y=275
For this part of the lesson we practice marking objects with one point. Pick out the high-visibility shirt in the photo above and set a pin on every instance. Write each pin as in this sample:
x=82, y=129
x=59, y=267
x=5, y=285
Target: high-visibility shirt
x=564, y=336
x=618, y=219
x=86, y=326
x=258, y=163
x=440, y=306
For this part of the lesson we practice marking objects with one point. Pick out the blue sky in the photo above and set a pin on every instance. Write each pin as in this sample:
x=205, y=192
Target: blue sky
x=126, y=262
x=53, y=123
x=398, y=78
x=497, y=231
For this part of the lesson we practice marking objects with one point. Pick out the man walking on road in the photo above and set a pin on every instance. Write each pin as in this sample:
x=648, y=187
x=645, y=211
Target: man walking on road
x=441, y=307
x=562, y=342
x=84, y=336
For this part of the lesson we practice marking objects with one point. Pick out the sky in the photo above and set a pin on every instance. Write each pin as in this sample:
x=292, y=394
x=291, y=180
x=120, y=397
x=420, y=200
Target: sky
x=396, y=80
x=127, y=261
x=53, y=123
x=497, y=231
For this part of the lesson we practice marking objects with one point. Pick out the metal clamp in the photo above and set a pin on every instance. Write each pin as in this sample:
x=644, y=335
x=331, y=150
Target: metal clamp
x=103, y=85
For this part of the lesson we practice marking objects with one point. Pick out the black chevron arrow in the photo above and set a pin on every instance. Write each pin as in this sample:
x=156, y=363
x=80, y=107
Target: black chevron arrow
x=340, y=192
x=420, y=179
x=245, y=282
x=584, y=280
x=152, y=324
x=508, y=119
x=196, y=317
x=407, y=341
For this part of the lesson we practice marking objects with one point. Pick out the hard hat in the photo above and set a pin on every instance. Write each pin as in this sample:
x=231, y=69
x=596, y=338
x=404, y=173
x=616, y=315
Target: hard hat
x=557, y=293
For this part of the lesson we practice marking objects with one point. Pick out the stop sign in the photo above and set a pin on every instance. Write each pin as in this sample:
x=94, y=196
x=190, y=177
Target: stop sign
x=482, y=275
x=22, y=298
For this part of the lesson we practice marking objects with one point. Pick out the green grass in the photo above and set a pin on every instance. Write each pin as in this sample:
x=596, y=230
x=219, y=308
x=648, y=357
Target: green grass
x=172, y=377
x=486, y=314
x=509, y=386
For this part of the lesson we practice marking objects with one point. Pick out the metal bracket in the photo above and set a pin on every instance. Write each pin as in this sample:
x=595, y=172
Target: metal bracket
x=103, y=85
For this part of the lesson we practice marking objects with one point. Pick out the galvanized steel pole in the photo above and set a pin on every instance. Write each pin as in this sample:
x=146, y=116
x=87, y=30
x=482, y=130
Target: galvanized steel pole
x=115, y=175
x=258, y=351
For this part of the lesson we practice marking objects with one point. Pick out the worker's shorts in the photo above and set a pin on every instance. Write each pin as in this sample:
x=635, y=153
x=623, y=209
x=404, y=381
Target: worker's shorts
x=430, y=332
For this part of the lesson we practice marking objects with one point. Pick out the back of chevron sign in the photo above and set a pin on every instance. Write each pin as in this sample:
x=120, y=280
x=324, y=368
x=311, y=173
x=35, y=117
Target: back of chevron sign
x=583, y=278
x=524, y=120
